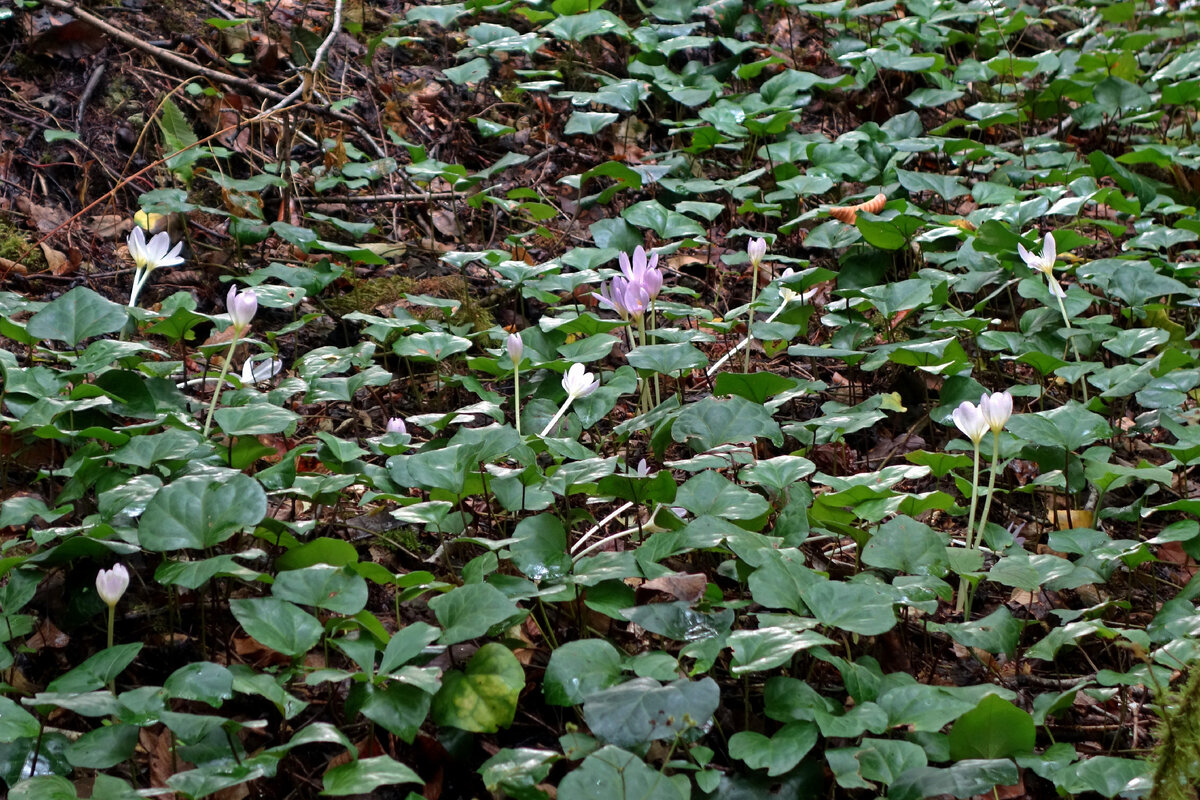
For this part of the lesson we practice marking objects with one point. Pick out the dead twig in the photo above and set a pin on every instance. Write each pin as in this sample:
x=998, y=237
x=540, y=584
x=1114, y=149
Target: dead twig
x=310, y=72
x=176, y=60
x=88, y=91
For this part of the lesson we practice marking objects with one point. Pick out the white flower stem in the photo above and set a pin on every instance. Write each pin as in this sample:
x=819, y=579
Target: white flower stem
x=750, y=315
x=987, y=503
x=139, y=280
x=599, y=525
x=654, y=326
x=112, y=619
x=517, y=397
x=212, y=407
x=962, y=584
x=610, y=538
x=721, y=361
x=554, y=420
x=645, y=397
x=1074, y=347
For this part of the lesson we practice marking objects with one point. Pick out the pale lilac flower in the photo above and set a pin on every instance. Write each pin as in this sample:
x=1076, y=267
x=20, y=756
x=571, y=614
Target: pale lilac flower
x=396, y=425
x=970, y=421
x=1044, y=263
x=516, y=348
x=642, y=271
x=996, y=409
x=578, y=382
x=241, y=307
x=756, y=250
x=643, y=469
x=610, y=296
x=155, y=253
x=111, y=584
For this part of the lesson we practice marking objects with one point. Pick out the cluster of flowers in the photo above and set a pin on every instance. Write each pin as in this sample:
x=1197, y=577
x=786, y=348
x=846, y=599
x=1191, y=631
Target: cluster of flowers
x=631, y=293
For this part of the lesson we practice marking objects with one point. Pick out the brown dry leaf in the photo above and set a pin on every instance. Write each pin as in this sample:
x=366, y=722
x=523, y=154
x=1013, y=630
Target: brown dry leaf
x=257, y=655
x=44, y=218
x=1014, y=792
x=58, y=261
x=1172, y=553
x=446, y=222
x=681, y=586
x=528, y=631
x=239, y=792
x=64, y=36
x=160, y=756
x=109, y=226
x=48, y=636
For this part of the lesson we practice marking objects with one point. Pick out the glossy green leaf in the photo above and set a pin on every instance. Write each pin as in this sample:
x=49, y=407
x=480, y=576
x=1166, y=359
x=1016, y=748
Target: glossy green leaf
x=579, y=669
x=278, y=624
x=340, y=590
x=364, y=775
x=778, y=754
x=642, y=710
x=615, y=774
x=994, y=729
x=200, y=511
x=77, y=315
x=469, y=611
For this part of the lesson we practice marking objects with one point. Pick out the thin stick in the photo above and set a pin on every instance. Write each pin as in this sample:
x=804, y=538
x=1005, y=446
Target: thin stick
x=311, y=70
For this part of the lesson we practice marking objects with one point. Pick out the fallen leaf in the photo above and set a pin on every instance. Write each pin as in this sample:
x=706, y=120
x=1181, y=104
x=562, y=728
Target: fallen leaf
x=47, y=636
x=446, y=223
x=111, y=226
x=57, y=260
x=681, y=586
x=45, y=219
x=161, y=758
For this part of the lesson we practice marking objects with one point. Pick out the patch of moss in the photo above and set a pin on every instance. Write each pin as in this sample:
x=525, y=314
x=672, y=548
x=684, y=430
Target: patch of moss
x=14, y=242
x=370, y=293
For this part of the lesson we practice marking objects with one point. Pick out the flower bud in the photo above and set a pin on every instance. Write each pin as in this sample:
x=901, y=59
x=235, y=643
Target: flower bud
x=112, y=583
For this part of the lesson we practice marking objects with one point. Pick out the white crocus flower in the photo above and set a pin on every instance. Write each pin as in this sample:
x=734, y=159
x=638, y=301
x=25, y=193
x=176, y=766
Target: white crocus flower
x=1044, y=263
x=756, y=250
x=149, y=256
x=578, y=382
x=111, y=584
x=970, y=421
x=996, y=409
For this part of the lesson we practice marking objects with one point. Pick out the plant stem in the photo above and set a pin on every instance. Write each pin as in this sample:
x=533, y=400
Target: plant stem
x=112, y=618
x=554, y=420
x=962, y=584
x=1074, y=347
x=750, y=314
x=987, y=504
x=721, y=361
x=212, y=407
x=517, y=397
x=595, y=528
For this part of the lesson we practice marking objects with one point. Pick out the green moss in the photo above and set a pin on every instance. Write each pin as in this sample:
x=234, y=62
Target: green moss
x=14, y=242
x=370, y=293
x=1177, y=772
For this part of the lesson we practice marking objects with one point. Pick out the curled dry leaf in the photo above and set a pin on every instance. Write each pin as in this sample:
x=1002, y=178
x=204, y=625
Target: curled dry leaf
x=849, y=214
x=681, y=586
x=109, y=226
x=58, y=261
